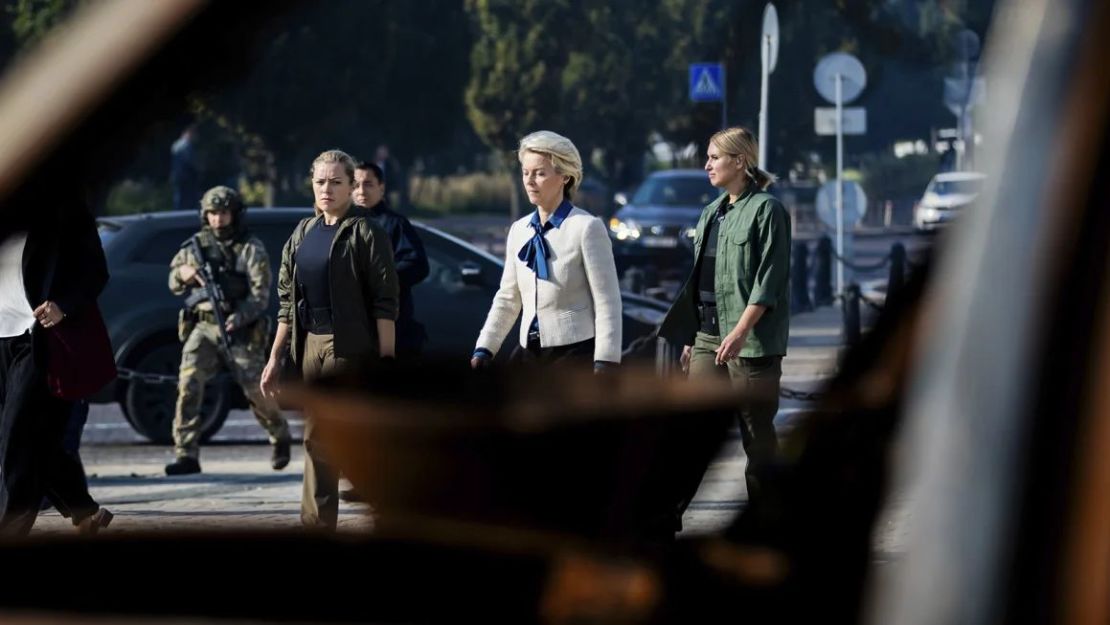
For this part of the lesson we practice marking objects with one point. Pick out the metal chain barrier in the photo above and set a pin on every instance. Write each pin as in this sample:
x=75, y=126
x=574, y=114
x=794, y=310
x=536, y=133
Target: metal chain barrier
x=872, y=303
x=809, y=396
x=148, y=378
x=883, y=262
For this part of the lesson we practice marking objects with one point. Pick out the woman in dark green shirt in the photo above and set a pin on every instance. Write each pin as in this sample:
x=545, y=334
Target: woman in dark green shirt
x=733, y=315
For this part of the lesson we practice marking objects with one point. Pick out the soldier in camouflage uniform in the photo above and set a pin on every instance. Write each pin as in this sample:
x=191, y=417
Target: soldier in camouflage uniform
x=242, y=270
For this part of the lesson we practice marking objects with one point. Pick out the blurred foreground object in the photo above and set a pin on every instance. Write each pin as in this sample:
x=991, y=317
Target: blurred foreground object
x=559, y=449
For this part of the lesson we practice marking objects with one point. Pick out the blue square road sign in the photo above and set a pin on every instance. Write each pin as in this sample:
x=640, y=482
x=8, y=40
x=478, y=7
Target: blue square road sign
x=707, y=82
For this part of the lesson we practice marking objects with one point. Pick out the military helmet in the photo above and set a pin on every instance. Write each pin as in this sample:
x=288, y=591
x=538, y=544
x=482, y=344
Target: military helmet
x=219, y=198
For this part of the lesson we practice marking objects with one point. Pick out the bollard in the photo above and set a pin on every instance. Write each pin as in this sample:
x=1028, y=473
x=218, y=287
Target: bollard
x=897, y=277
x=822, y=287
x=664, y=357
x=799, y=279
x=850, y=307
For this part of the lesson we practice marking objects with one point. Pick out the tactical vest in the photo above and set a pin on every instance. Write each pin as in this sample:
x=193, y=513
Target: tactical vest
x=222, y=256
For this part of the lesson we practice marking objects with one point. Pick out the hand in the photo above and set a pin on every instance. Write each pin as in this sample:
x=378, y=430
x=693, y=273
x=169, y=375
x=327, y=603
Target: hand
x=48, y=314
x=478, y=362
x=188, y=274
x=232, y=324
x=268, y=384
x=684, y=359
x=730, y=347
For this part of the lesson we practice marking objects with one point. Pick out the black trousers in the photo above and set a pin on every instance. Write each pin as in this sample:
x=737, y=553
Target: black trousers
x=33, y=462
x=581, y=353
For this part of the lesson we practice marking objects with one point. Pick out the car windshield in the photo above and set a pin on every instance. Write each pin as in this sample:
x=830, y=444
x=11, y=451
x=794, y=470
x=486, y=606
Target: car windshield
x=953, y=187
x=676, y=191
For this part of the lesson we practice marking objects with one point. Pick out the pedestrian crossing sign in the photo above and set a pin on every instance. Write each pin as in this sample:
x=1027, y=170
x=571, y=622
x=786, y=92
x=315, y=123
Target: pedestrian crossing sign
x=707, y=82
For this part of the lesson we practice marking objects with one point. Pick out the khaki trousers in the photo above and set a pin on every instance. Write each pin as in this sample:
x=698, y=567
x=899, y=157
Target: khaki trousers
x=320, y=493
x=757, y=379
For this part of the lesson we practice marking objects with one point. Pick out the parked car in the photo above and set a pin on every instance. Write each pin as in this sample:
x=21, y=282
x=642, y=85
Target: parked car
x=141, y=313
x=945, y=197
x=657, y=224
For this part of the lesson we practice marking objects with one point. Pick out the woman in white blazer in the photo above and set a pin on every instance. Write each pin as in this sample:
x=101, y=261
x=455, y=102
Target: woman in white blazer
x=559, y=269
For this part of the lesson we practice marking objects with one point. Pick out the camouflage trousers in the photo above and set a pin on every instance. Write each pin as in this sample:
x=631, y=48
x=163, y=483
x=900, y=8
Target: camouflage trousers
x=201, y=358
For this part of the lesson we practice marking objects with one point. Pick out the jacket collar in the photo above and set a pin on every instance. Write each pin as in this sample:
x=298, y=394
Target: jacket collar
x=556, y=219
x=354, y=211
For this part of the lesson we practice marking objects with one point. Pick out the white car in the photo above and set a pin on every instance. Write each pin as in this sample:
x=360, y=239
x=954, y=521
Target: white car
x=946, y=195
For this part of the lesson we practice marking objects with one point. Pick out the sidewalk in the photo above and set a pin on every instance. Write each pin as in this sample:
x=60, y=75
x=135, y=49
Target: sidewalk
x=815, y=346
x=238, y=491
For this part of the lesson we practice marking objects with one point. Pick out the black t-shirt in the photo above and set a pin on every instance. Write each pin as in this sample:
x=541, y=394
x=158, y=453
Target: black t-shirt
x=707, y=292
x=312, y=265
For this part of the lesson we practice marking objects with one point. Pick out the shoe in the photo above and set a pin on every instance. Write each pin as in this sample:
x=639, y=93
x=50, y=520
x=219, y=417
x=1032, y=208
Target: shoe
x=183, y=466
x=351, y=495
x=95, y=522
x=281, y=455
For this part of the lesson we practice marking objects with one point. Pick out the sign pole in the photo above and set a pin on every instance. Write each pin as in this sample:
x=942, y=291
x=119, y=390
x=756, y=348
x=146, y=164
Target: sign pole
x=724, y=98
x=839, y=183
x=763, y=102
x=768, y=53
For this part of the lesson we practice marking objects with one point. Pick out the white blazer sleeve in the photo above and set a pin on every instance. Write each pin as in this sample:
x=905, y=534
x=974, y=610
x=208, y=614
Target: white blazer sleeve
x=506, y=305
x=601, y=275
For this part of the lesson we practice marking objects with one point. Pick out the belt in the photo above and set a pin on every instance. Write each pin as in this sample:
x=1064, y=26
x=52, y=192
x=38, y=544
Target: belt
x=318, y=320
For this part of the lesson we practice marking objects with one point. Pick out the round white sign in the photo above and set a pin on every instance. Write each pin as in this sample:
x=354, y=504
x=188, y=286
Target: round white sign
x=855, y=204
x=769, y=43
x=852, y=75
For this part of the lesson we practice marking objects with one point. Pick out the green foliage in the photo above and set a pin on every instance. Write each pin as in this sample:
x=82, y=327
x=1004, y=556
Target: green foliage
x=588, y=69
x=886, y=177
x=432, y=82
x=130, y=196
x=32, y=19
x=349, y=74
x=467, y=193
x=516, y=67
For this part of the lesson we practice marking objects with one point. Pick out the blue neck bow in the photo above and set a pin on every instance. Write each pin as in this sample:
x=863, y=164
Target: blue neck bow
x=536, y=253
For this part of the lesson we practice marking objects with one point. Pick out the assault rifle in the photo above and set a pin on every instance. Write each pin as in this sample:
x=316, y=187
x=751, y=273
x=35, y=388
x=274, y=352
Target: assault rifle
x=212, y=288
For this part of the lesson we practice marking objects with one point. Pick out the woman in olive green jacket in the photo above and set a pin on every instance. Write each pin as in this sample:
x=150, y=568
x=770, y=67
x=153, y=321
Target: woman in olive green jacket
x=338, y=300
x=733, y=315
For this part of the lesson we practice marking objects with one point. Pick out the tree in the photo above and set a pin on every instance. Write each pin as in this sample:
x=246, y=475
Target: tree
x=348, y=74
x=516, y=73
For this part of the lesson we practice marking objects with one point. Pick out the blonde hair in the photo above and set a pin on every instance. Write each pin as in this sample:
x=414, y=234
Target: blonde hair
x=328, y=157
x=739, y=143
x=564, y=156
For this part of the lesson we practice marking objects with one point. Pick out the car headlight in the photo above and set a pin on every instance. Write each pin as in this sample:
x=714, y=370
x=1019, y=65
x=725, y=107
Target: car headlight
x=645, y=315
x=624, y=230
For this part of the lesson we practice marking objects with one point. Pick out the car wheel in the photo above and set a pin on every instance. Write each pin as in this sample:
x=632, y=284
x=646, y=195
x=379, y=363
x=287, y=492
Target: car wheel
x=149, y=407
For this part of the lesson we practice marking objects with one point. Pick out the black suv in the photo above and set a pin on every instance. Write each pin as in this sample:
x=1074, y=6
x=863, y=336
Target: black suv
x=141, y=313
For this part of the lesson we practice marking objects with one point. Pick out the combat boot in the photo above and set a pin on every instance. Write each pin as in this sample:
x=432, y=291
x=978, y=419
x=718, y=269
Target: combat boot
x=280, y=458
x=183, y=466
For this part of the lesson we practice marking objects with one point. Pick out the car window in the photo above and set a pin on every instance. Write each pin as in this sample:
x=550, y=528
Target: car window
x=963, y=187
x=445, y=262
x=451, y=311
x=160, y=248
x=676, y=191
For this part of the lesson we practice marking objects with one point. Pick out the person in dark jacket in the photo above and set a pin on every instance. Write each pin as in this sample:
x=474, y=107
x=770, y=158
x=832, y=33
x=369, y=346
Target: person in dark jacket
x=337, y=294
x=52, y=268
x=408, y=254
